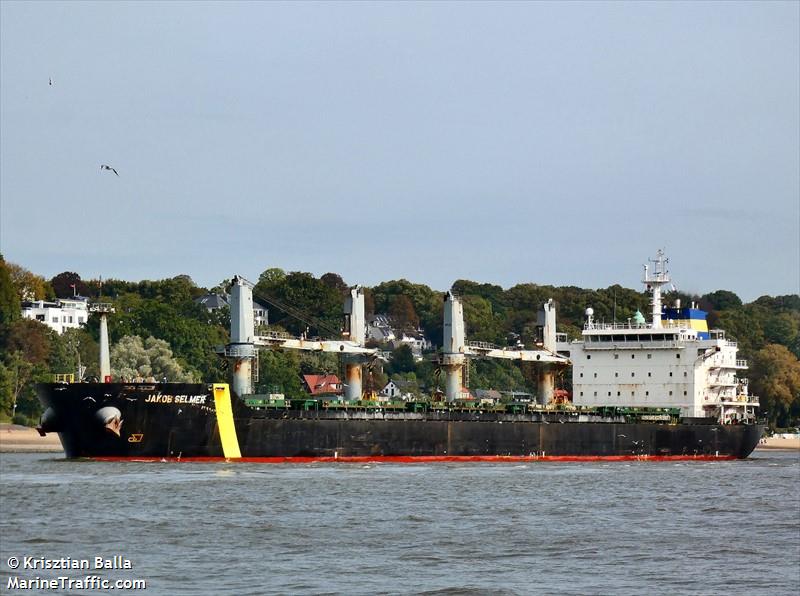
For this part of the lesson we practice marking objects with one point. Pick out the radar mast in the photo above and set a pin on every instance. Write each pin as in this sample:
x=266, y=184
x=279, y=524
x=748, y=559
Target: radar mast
x=653, y=282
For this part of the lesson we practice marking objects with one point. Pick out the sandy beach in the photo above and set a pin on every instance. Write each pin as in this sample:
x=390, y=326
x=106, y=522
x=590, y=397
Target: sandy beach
x=21, y=439
x=780, y=443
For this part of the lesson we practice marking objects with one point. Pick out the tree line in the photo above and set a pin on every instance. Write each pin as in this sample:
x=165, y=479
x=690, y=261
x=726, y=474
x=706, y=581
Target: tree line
x=158, y=328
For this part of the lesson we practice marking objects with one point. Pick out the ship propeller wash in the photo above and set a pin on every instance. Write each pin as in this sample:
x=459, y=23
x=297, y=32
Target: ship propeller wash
x=667, y=389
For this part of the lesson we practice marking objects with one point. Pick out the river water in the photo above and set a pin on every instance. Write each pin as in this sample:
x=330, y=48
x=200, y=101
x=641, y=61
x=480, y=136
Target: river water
x=479, y=528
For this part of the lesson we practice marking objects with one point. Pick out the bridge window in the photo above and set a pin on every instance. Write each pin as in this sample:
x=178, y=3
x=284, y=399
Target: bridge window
x=649, y=356
x=588, y=356
x=595, y=393
x=617, y=393
x=633, y=356
x=670, y=392
x=616, y=374
x=649, y=374
x=684, y=373
x=616, y=356
x=678, y=356
x=646, y=393
x=633, y=374
x=581, y=375
x=595, y=375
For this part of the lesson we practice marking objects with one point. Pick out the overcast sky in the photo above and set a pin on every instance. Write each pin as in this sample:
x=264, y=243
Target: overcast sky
x=554, y=143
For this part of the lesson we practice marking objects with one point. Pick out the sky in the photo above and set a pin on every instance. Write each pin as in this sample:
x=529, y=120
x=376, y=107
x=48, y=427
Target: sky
x=506, y=143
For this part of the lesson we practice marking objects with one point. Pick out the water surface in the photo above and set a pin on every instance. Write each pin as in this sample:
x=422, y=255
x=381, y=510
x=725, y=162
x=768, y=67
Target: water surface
x=501, y=528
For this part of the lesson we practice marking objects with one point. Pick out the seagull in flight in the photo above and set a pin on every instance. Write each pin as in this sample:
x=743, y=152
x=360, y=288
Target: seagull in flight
x=105, y=167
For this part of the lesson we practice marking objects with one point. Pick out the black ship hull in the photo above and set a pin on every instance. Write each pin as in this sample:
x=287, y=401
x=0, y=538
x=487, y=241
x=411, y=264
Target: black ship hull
x=191, y=422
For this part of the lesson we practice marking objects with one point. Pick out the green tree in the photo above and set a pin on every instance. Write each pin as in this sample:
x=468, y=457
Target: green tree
x=720, y=300
x=20, y=375
x=497, y=374
x=402, y=313
x=335, y=282
x=28, y=285
x=279, y=372
x=427, y=304
x=31, y=339
x=480, y=320
x=402, y=360
x=81, y=348
x=495, y=295
x=67, y=284
x=9, y=299
x=271, y=278
x=781, y=328
x=745, y=326
x=6, y=392
x=775, y=377
x=300, y=301
x=316, y=363
x=152, y=358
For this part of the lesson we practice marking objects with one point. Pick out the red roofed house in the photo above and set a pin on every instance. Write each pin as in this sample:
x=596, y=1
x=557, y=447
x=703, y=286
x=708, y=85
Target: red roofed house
x=323, y=384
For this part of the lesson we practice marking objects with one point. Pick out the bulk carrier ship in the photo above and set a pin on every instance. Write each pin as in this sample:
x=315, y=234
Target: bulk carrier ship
x=659, y=390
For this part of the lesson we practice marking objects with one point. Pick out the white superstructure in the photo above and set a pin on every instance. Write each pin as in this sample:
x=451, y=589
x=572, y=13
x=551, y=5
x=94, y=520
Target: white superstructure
x=672, y=362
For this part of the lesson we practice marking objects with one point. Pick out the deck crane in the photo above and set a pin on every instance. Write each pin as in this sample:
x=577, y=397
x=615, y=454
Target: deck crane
x=242, y=349
x=244, y=342
x=456, y=349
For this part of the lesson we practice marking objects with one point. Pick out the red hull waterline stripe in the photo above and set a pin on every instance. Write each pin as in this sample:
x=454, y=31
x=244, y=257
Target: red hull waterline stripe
x=419, y=459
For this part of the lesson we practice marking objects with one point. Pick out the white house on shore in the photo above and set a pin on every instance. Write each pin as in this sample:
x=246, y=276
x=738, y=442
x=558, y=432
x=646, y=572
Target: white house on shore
x=416, y=341
x=63, y=314
x=397, y=389
x=379, y=329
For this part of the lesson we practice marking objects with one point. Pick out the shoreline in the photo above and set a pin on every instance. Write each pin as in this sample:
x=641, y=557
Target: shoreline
x=781, y=443
x=22, y=439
